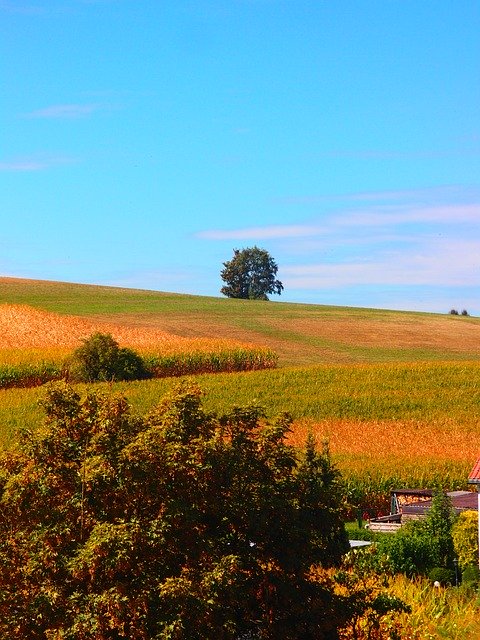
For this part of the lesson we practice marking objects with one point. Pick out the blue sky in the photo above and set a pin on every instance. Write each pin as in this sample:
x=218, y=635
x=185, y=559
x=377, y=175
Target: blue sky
x=142, y=141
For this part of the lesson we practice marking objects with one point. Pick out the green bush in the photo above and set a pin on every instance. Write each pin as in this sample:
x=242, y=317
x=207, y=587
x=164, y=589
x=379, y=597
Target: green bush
x=471, y=576
x=180, y=524
x=410, y=551
x=359, y=533
x=422, y=545
x=100, y=359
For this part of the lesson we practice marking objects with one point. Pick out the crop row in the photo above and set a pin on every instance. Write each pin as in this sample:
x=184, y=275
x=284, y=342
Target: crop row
x=30, y=374
x=228, y=361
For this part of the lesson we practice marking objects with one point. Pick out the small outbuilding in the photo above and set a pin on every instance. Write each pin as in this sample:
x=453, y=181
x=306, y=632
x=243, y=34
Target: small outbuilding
x=413, y=504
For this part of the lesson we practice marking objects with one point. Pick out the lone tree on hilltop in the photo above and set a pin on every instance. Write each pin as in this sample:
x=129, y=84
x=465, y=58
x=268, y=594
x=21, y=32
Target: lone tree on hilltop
x=250, y=275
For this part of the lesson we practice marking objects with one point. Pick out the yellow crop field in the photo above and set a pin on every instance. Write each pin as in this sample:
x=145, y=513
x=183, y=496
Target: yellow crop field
x=415, y=450
x=26, y=332
x=437, y=612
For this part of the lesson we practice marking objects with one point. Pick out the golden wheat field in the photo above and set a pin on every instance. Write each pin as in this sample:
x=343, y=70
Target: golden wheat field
x=29, y=333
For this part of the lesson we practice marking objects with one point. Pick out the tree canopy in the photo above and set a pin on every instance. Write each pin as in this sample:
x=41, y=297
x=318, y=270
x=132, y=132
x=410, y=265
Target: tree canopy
x=250, y=274
x=176, y=525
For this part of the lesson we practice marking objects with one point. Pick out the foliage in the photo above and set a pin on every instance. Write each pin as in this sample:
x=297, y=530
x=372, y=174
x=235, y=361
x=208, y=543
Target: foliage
x=178, y=525
x=250, y=275
x=421, y=545
x=471, y=576
x=451, y=612
x=465, y=538
x=438, y=525
x=101, y=359
x=441, y=575
x=373, y=609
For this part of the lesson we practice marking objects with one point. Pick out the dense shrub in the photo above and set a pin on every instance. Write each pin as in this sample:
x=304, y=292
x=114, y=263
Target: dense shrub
x=471, y=576
x=180, y=524
x=409, y=551
x=100, y=359
x=422, y=545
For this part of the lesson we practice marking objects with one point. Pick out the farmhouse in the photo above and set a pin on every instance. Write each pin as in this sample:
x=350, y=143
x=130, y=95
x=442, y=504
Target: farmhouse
x=412, y=504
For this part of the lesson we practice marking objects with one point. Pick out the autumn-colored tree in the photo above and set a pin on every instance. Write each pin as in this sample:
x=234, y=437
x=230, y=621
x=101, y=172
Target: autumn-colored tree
x=177, y=525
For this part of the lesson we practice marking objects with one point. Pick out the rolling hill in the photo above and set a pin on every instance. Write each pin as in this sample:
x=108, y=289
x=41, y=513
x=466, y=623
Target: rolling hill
x=301, y=334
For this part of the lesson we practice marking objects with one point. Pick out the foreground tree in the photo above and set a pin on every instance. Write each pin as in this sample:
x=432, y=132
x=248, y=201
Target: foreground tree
x=250, y=274
x=177, y=525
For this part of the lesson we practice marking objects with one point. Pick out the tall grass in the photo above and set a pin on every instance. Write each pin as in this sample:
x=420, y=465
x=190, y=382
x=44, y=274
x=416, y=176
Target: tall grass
x=437, y=612
x=29, y=375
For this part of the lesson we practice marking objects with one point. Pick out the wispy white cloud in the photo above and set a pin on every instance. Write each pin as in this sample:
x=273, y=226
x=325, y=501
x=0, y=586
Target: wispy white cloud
x=35, y=163
x=440, y=194
x=379, y=217
x=65, y=111
x=442, y=263
x=389, y=215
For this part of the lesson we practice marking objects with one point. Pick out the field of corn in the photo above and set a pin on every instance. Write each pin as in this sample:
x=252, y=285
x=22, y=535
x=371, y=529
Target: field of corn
x=435, y=612
x=387, y=425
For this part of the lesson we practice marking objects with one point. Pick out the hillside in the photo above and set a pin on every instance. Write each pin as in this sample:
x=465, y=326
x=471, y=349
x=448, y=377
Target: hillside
x=301, y=334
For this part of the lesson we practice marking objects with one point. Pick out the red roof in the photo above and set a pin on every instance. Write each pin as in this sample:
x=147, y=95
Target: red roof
x=474, y=477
